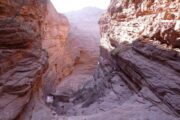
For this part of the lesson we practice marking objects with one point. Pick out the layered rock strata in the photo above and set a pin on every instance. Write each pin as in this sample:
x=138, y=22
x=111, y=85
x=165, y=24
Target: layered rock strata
x=23, y=61
x=55, y=42
x=137, y=75
x=140, y=50
x=141, y=39
x=34, y=55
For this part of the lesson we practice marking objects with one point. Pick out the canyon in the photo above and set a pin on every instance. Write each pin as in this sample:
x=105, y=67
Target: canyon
x=67, y=67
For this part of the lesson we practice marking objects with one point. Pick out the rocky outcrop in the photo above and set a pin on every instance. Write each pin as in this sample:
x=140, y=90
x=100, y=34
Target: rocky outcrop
x=138, y=39
x=34, y=56
x=137, y=75
x=156, y=19
x=23, y=61
x=61, y=62
x=138, y=72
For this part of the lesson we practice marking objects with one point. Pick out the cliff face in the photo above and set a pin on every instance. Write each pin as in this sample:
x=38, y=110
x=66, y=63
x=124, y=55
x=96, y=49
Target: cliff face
x=138, y=38
x=137, y=75
x=138, y=72
x=22, y=59
x=151, y=18
x=34, y=55
x=56, y=44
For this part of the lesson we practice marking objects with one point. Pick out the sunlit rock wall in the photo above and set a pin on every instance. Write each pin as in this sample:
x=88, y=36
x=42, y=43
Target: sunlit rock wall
x=138, y=37
x=56, y=28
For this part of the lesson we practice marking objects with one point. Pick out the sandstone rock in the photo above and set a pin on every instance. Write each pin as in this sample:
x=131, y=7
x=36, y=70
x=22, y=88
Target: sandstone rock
x=60, y=64
x=137, y=77
x=23, y=61
x=61, y=61
x=144, y=20
x=135, y=40
x=137, y=72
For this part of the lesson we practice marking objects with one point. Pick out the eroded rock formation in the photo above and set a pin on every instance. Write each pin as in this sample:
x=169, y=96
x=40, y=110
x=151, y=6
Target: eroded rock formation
x=137, y=76
x=137, y=49
x=34, y=55
x=61, y=61
x=138, y=72
x=23, y=61
x=147, y=28
x=37, y=54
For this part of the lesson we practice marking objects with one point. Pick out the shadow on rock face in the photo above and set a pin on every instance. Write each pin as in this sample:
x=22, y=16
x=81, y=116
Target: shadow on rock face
x=138, y=65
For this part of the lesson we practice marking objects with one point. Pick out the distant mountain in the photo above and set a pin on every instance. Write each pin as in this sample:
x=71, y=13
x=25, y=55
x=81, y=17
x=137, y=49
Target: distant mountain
x=84, y=30
x=85, y=19
x=92, y=11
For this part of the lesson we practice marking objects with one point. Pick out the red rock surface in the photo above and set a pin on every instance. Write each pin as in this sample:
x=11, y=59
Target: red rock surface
x=55, y=42
x=23, y=61
x=137, y=77
x=60, y=63
x=151, y=18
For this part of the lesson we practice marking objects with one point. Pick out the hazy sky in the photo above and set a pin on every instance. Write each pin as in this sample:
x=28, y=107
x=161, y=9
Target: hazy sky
x=71, y=5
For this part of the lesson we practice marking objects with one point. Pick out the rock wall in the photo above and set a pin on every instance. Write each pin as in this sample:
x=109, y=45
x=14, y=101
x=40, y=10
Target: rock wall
x=137, y=75
x=61, y=61
x=34, y=56
x=149, y=18
x=140, y=38
x=138, y=72
x=23, y=61
x=84, y=47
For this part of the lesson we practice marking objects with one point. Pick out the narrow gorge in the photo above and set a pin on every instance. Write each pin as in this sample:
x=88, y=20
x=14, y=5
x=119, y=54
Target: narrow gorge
x=122, y=63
